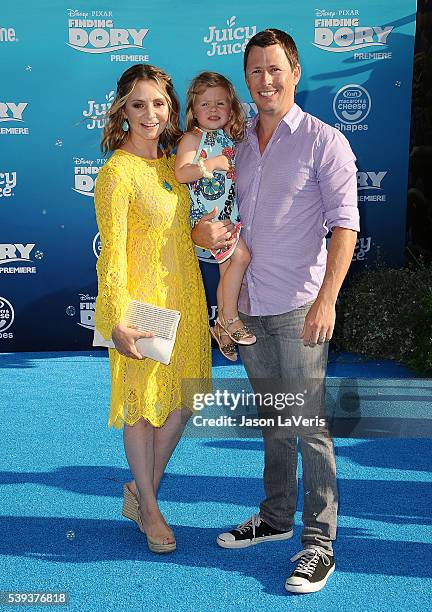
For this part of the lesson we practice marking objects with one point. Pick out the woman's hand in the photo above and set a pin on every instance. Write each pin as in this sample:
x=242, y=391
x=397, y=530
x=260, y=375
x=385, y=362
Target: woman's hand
x=124, y=339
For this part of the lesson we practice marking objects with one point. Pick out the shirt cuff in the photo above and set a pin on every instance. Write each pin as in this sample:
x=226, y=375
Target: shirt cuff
x=345, y=217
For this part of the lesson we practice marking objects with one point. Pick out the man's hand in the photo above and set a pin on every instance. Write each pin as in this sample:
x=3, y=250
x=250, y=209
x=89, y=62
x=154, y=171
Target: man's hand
x=213, y=235
x=124, y=339
x=319, y=322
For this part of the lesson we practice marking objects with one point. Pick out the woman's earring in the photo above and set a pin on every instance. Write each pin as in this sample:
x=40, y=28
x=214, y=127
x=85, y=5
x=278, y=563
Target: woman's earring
x=125, y=126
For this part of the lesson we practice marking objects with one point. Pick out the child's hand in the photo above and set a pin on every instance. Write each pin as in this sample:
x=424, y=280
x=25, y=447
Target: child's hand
x=220, y=162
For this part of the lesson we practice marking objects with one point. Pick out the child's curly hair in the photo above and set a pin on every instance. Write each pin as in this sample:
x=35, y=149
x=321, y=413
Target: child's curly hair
x=236, y=125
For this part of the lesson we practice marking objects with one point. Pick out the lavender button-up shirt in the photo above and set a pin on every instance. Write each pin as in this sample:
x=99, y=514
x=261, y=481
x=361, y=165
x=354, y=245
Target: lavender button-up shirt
x=302, y=185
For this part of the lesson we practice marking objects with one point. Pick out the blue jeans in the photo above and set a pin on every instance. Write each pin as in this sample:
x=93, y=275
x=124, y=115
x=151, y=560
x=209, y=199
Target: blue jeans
x=279, y=355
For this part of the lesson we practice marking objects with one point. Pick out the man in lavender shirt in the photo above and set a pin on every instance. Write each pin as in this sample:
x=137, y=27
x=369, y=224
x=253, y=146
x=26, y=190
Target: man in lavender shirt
x=296, y=181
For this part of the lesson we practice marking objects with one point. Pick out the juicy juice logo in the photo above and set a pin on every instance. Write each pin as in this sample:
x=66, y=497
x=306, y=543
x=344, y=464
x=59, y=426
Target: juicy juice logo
x=95, y=114
x=100, y=35
x=230, y=40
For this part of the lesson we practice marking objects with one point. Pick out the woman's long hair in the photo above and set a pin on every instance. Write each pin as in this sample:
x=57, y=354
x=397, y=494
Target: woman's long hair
x=236, y=125
x=114, y=136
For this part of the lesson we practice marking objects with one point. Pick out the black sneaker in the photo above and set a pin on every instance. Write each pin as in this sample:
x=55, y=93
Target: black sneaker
x=251, y=532
x=312, y=571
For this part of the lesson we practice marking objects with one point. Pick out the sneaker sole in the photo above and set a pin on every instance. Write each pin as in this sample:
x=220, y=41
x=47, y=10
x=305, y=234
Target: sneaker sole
x=310, y=588
x=247, y=543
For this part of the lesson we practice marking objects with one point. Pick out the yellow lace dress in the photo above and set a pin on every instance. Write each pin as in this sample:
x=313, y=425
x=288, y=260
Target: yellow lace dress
x=147, y=254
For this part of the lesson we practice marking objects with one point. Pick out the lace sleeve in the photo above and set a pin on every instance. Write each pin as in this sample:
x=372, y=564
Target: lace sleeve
x=112, y=199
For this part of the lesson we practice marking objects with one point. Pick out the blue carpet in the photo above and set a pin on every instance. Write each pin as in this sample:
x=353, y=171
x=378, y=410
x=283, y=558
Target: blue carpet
x=61, y=527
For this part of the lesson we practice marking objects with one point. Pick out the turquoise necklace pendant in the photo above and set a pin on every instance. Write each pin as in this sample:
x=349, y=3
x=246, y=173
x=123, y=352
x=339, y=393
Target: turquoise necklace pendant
x=167, y=186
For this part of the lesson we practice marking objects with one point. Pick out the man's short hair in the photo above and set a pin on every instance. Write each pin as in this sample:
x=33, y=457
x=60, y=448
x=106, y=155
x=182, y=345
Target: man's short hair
x=273, y=36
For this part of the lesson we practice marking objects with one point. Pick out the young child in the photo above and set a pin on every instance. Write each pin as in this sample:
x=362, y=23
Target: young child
x=205, y=160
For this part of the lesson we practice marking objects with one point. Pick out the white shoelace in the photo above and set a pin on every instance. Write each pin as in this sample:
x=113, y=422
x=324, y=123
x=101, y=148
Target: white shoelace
x=253, y=522
x=310, y=560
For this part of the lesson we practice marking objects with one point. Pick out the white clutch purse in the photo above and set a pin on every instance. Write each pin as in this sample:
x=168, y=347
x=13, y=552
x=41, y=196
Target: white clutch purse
x=146, y=317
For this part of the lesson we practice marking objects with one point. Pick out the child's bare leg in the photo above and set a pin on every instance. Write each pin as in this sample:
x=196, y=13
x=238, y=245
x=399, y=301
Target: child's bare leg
x=231, y=283
x=223, y=267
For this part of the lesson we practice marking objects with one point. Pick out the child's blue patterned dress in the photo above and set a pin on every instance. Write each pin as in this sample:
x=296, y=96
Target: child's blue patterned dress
x=220, y=190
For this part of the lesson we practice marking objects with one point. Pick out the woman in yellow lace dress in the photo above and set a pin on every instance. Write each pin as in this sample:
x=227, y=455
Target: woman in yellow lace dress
x=147, y=255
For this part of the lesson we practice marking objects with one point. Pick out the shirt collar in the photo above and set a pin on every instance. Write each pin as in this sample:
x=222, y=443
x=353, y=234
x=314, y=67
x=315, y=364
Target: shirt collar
x=292, y=120
x=293, y=117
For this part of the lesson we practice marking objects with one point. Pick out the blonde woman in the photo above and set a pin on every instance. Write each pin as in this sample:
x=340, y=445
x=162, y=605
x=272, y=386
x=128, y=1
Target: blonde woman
x=147, y=255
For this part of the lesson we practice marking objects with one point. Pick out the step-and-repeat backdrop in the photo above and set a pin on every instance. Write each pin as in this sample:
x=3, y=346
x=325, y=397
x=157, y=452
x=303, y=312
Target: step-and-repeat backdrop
x=60, y=62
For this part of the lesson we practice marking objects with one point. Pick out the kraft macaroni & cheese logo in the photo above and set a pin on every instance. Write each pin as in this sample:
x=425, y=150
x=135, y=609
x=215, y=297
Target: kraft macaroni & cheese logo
x=351, y=105
x=7, y=316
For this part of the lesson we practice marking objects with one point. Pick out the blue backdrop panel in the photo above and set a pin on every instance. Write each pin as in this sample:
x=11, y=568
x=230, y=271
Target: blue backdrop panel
x=60, y=63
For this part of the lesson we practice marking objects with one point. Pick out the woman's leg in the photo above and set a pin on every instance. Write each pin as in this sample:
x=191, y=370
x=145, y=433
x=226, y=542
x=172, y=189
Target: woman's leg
x=139, y=444
x=165, y=441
